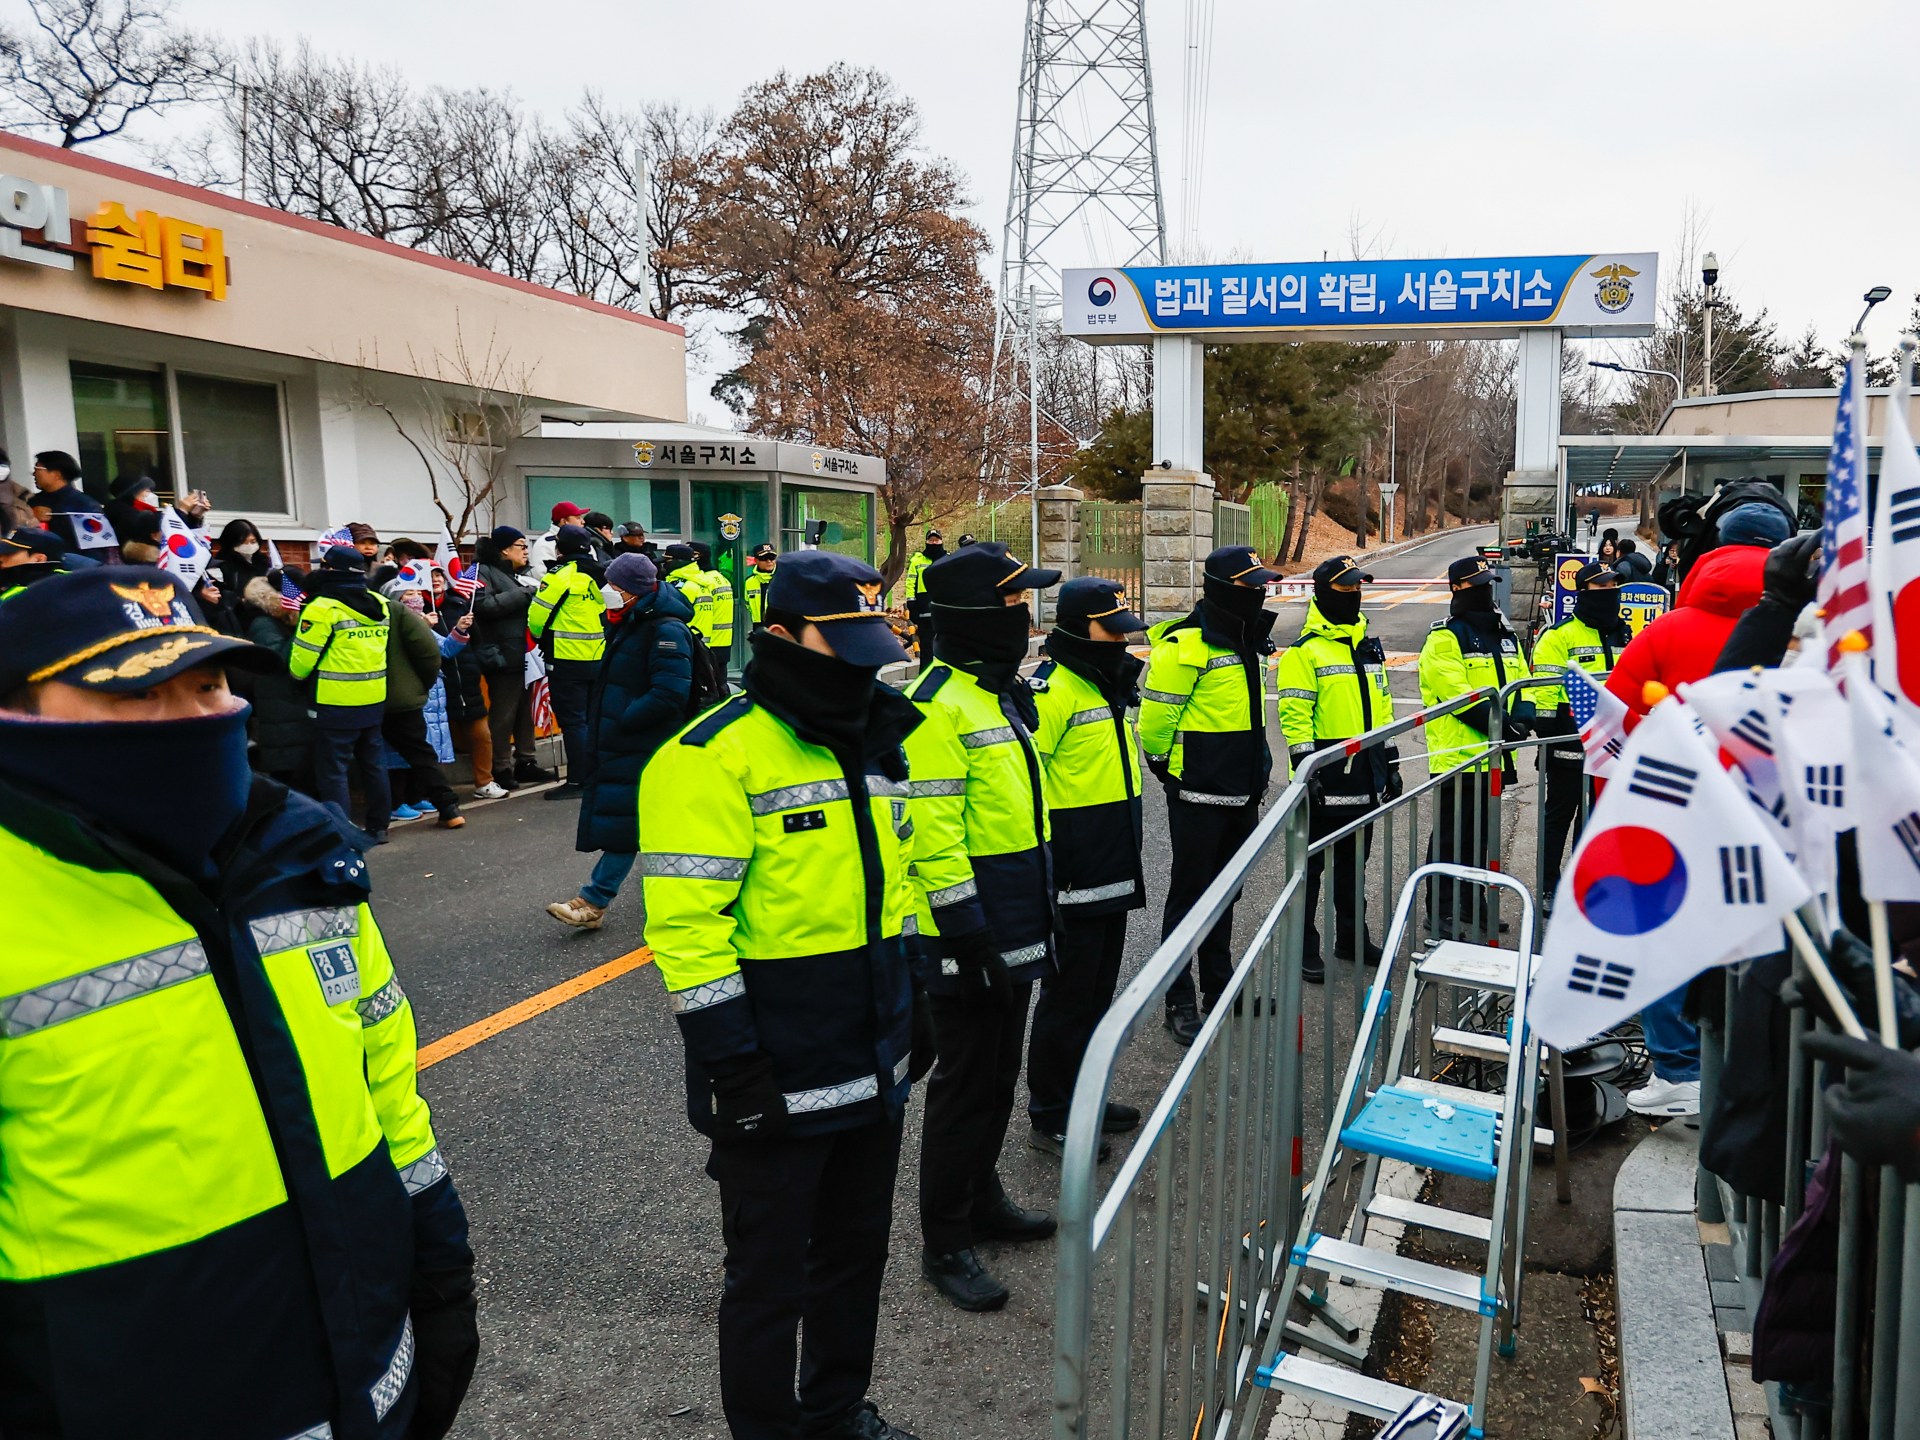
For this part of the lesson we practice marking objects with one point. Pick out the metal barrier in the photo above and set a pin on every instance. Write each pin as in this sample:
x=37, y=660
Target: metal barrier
x=1169, y=1276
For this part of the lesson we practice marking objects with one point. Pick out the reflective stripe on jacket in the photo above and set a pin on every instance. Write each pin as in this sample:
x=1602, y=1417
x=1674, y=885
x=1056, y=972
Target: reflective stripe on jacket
x=976, y=777
x=723, y=607
x=1450, y=666
x=691, y=581
x=750, y=833
x=1203, y=706
x=757, y=584
x=1572, y=642
x=1092, y=770
x=568, y=608
x=1331, y=683
x=344, y=651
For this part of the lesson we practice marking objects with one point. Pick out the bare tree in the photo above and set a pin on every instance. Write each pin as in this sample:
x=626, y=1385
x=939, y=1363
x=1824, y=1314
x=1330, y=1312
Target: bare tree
x=94, y=65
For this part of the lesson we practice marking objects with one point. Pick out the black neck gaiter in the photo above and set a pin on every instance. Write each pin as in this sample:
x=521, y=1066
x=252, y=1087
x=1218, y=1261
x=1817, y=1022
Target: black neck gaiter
x=987, y=642
x=109, y=770
x=1106, y=663
x=1338, y=607
x=822, y=697
x=1599, y=608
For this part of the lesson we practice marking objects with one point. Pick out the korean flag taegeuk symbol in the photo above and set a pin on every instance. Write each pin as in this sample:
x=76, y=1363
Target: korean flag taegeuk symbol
x=1676, y=872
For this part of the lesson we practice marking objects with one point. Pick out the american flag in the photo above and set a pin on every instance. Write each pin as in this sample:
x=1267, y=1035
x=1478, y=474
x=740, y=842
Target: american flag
x=1602, y=718
x=339, y=535
x=290, y=597
x=1846, y=592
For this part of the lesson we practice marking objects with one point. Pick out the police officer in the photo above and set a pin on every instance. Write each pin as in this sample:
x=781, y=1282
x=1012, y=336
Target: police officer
x=341, y=644
x=765, y=557
x=1332, y=685
x=223, y=1209
x=682, y=571
x=1591, y=637
x=720, y=586
x=570, y=614
x=1203, y=725
x=28, y=556
x=1083, y=691
x=796, y=1015
x=1472, y=649
x=918, y=606
x=986, y=926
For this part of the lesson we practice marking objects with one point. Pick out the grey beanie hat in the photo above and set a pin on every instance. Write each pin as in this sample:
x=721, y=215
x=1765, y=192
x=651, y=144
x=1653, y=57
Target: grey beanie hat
x=633, y=573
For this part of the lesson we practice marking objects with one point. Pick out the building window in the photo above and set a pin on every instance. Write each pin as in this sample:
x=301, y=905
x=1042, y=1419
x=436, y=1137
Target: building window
x=183, y=432
x=848, y=515
x=231, y=437
x=654, y=503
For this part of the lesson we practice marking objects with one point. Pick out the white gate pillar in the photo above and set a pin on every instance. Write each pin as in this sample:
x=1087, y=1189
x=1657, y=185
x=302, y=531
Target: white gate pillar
x=1179, y=420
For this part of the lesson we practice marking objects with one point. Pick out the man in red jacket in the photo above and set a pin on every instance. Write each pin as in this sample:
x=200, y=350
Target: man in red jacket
x=1681, y=646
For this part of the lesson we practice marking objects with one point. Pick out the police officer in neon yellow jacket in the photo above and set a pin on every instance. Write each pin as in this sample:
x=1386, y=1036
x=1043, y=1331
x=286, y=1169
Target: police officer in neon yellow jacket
x=340, y=648
x=223, y=1209
x=976, y=775
x=1203, y=726
x=778, y=860
x=720, y=586
x=1331, y=685
x=1083, y=691
x=1472, y=649
x=569, y=617
x=1591, y=638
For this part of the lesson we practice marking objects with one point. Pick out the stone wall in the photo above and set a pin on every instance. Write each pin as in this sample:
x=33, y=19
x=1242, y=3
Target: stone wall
x=1176, y=534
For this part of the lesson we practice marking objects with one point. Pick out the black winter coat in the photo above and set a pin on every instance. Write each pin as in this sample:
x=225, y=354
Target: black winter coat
x=499, y=613
x=461, y=670
x=282, y=727
x=639, y=701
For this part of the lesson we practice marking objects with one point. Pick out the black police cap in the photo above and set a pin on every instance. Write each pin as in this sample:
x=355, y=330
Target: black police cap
x=765, y=552
x=1239, y=562
x=112, y=628
x=843, y=597
x=981, y=576
x=1340, y=570
x=1595, y=572
x=1471, y=570
x=1094, y=597
x=43, y=543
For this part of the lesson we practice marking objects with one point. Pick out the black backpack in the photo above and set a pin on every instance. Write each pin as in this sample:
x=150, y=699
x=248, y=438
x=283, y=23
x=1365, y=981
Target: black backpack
x=706, y=688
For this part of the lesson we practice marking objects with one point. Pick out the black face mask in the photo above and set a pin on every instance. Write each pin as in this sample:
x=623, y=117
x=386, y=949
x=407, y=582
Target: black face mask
x=1340, y=607
x=1107, y=663
x=1599, y=608
x=822, y=697
x=993, y=637
x=1474, y=600
x=934, y=551
x=1241, y=602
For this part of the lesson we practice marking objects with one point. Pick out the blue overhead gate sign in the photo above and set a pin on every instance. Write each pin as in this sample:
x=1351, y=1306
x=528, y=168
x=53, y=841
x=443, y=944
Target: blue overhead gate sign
x=1611, y=294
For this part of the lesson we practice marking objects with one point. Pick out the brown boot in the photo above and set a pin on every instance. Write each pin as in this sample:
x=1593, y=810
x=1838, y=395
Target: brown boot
x=577, y=913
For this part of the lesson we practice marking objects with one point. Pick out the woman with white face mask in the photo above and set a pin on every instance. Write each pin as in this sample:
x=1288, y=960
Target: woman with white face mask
x=243, y=556
x=14, y=510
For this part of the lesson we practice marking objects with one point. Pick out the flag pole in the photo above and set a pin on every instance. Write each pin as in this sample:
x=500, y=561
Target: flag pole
x=1854, y=648
x=1823, y=977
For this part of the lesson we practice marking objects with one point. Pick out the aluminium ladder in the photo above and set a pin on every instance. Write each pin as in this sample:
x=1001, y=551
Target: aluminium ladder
x=1410, y=1116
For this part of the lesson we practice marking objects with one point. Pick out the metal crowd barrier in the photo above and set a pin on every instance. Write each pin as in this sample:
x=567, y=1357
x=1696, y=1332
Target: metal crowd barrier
x=1168, y=1273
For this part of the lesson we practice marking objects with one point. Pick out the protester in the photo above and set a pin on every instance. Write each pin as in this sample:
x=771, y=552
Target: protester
x=414, y=653
x=226, y=1213
x=400, y=554
x=543, y=552
x=341, y=642
x=639, y=698
x=1609, y=549
x=242, y=557
x=1875, y=1115
x=139, y=536
x=500, y=644
x=282, y=722
x=366, y=540
x=633, y=540
x=58, y=496
x=568, y=616
x=219, y=607
x=464, y=685
x=28, y=556
x=1629, y=564
x=15, y=511
x=599, y=527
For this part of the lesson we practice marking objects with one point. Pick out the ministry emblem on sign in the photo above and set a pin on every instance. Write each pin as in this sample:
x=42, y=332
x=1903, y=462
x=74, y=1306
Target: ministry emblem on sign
x=643, y=452
x=1615, y=292
x=730, y=527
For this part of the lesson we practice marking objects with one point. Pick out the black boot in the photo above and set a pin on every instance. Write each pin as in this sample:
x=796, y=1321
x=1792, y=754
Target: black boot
x=1312, y=971
x=963, y=1279
x=1004, y=1220
x=1119, y=1119
x=1183, y=1021
x=1343, y=951
x=863, y=1422
x=531, y=772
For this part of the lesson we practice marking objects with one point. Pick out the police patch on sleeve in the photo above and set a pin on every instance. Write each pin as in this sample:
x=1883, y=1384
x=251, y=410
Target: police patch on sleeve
x=337, y=969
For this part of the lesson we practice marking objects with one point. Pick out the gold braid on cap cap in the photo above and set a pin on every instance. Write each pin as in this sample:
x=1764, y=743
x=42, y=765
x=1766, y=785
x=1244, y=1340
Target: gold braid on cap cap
x=846, y=615
x=1019, y=568
x=123, y=638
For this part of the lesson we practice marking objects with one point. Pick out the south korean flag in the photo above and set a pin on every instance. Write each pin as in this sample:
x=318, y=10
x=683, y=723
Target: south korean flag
x=1675, y=872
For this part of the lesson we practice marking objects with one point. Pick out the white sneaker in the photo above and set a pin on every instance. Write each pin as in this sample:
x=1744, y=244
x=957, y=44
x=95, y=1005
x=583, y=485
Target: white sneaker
x=1666, y=1097
x=492, y=790
x=578, y=913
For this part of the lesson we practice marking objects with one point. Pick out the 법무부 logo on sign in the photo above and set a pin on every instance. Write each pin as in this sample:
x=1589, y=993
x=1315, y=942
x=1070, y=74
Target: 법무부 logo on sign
x=1101, y=292
x=1615, y=292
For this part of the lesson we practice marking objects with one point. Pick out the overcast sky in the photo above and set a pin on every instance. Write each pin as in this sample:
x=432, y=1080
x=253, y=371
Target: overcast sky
x=1481, y=127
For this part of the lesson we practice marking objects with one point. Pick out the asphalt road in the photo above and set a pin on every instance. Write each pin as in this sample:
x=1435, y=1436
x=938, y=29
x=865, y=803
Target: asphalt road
x=597, y=1232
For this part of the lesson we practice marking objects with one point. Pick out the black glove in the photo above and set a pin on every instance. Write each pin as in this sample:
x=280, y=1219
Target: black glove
x=1392, y=786
x=446, y=1344
x=925, y=1051
x=978, y=956
x=1518, y=722
x=1792, y=571
x=747, y=1104
x=1851, y=960
x=1875, y=1116
x=1317, y=788
x=1161, y=768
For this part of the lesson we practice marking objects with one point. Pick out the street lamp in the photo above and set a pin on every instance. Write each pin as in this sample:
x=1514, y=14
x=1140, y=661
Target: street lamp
x=1873, y=297
x=1636, y=370
x=1710, y=277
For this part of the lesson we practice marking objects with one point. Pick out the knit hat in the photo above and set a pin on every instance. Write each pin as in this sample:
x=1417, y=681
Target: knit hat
x=633, y=573
x=572, y=540
x=505, y=535
x=360, y=531
x=342, y=557
x=1754, y=525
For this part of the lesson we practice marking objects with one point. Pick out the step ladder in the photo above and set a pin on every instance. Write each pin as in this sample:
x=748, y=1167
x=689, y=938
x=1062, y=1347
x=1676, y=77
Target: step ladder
x=1405, y=1114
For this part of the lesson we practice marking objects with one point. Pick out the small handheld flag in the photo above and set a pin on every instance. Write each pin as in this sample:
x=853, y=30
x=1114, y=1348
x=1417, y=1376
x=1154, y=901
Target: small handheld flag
x=273, y=557
x=1845, y=592
x=339, y=535
x=92, y=532
x=465, y=579
x=1894, y=559
x=1602, y=718
x=290, y=597
x=1888, y=810
x=182, y=550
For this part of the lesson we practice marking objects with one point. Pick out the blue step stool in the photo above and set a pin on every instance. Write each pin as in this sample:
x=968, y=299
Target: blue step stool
x=1435, y=1134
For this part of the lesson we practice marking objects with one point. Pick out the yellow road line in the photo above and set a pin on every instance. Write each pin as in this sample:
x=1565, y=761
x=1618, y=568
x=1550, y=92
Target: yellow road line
x=533, y=1005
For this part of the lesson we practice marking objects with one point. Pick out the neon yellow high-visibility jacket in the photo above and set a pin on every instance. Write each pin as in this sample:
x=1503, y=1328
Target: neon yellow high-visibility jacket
x=344, y=651
x=723, y=607
x=691, y=581
x=780, y=900
x=916, y=576
x=568, y=605
x=977, y=782
x=1573, y=642
x=217, y=1175
x=1204, y=709
x=1331, y=685
x=1454, y=660
x=757, y=583
x=1092, y=769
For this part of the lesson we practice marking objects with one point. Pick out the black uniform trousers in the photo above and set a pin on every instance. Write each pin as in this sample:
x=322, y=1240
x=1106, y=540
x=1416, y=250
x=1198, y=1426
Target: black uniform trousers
x=806, y=1223
x=570, y=683
x=423, y=781
x=1461, y=813
x=969, y=1102
x=1204, y=838
x=1563, y=774
x=1324, y=816
x=1071, y=1005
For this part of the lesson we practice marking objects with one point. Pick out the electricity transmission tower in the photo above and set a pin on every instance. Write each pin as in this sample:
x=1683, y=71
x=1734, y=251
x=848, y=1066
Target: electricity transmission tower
x=1085, y=185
